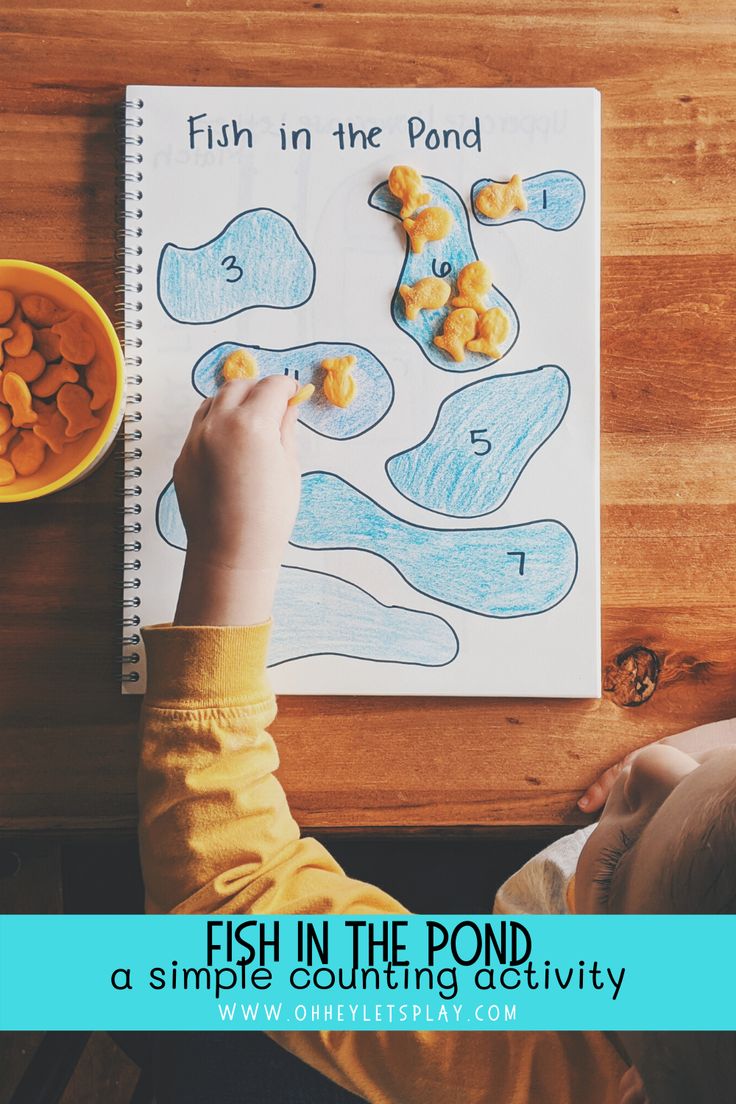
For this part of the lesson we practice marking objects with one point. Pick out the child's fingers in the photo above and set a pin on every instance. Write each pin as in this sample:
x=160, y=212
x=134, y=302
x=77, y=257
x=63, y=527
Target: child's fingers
x=268, y=398
x=596, y=795
x=202, y=410
x=288, y=427
x=232, y=393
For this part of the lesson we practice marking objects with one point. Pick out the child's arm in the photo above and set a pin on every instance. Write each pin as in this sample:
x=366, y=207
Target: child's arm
x=216, y=832
x=697, y=742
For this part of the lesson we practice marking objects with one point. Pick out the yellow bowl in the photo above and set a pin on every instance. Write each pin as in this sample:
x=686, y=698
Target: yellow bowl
x=81, y=457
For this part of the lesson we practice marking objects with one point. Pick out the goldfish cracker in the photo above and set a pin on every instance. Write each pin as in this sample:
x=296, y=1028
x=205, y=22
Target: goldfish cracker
x=7, y=305
x=100, y=379
x=473, y=284
x=496, y=201
x=5, y=333
x=41, y=311
x=302, y=395
x=76, y=344
x=459, y=329
x=51, y=426
x=431, y=224
x=17, y=396
x=493, y=329
x=28, y=367
x=21, y=343
x=6, y=419
x=28, y=453
x=48, y=344
x=239, y=365
x=339, y=387
x=428, y=294
x=6, y=438
x=407, y=185
x=7, y=473
x=53, y=378
x=74, y=403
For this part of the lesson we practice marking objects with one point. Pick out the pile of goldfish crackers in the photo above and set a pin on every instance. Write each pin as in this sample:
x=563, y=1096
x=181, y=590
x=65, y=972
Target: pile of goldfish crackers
x=52, y=381
x=470, y=325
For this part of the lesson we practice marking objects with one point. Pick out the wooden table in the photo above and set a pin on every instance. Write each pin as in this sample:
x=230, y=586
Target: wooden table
x=666, y=71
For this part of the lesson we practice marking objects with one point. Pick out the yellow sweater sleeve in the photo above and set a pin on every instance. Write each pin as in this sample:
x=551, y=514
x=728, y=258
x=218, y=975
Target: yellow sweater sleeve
x=216, y=835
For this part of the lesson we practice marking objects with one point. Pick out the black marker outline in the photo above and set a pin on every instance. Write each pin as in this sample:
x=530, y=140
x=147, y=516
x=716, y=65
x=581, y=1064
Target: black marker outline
x=483, y=220
x=431, y=529
x=396, y=298
x=203, y=245
x=452, y=395
x=294, y=348
x=366, y=659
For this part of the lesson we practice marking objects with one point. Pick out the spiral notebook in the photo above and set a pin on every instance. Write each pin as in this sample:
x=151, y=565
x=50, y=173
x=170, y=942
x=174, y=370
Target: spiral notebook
x=447, y=541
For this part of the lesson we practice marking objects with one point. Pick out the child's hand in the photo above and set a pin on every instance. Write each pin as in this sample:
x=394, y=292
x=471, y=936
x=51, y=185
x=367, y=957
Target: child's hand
x=697, y=742
x=237, y=482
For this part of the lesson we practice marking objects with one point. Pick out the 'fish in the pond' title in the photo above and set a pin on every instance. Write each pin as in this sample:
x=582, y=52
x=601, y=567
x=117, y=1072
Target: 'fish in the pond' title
x=203, y=134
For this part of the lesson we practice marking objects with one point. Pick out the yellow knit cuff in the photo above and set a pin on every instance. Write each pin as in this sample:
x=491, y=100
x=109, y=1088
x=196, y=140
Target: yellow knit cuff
x=203, y=666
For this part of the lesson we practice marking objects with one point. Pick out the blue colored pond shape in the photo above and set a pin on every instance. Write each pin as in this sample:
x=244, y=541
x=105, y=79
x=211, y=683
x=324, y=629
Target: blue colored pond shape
x=513, y=571
x=444, y=259
x=555, y=200
x=483, y=437
x=257, y=260
x=352, y=623
x=375, y=386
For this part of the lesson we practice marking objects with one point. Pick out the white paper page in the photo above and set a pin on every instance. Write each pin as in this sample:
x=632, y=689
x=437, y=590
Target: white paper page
x=471, y=566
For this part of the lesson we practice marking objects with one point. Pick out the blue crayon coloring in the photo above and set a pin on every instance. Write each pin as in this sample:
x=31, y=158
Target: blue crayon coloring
x=511, y=571
x=483, y=437
x=257, y=260
x=302, y=363
x=443, y=259
x=352, y=623
x=555, y=200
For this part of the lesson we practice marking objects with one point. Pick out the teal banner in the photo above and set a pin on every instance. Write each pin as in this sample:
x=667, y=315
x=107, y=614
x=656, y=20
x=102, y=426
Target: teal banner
x=445, y=973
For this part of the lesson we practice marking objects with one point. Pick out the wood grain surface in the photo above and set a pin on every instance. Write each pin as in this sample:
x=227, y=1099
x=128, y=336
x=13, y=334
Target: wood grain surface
x=68, y=753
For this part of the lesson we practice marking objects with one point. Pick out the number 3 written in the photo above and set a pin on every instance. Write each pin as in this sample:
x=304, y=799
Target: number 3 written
x=231, y=265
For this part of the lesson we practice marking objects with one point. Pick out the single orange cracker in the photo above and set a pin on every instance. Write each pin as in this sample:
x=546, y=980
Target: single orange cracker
x=42, y=311
x=53, y=378
x=239, y=364
x=6, y=419
x=302, y=395
x=406, y=184
x=431, y=224
x=76, y=344
x=17, y=395
x=28, y=453
x=7, y=473
x=100, y=379
x=48, y=343
x=21, y=343
x=51, y=426
x=74, y=403
x=460, y=328
x=5, y=333
x=339, y=387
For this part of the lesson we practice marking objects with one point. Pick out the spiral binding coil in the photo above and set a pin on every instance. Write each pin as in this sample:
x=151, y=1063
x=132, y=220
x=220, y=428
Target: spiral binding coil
x=129, y=270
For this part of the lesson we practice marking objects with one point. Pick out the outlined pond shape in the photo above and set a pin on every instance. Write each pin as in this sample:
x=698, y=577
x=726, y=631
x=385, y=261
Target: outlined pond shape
x=555, y=200
x=352, y=623
x=316, y=613
x=257, y=260
x=483, y=437
x=510, y=571
x=375, y=386
x=444, y=259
